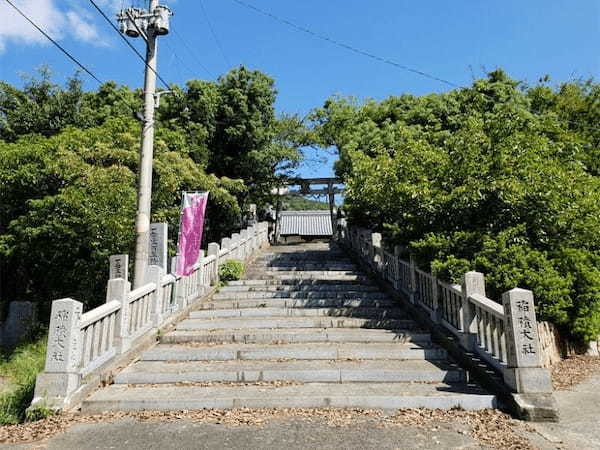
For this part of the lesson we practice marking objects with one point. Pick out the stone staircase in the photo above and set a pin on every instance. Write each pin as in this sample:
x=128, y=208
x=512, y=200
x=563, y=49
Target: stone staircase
x=305, y=329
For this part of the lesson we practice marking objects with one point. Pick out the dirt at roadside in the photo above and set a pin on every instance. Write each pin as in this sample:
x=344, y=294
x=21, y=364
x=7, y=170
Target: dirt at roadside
x=574, y=370
x=490, y=428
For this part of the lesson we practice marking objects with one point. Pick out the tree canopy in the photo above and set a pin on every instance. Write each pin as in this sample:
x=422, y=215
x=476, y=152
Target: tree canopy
x=68, y=164
x=499, y=177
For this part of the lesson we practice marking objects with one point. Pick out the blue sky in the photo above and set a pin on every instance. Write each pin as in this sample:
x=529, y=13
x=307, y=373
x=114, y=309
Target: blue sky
x=452, y=40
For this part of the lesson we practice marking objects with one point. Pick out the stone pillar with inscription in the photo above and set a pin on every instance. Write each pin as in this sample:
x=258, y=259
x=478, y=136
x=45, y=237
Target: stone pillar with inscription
x=158, y=243
x=119, y=267
x=61, y=377
x=524, y=373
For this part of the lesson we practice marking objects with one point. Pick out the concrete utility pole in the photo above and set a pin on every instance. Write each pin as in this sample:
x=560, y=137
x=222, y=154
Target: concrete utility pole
x=149, y=25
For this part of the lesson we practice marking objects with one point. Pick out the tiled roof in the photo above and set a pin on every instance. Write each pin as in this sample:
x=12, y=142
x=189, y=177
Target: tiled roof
x=305, y=223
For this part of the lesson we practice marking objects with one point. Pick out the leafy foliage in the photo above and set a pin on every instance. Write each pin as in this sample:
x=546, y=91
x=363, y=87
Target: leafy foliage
x=68, y=164
x=21, y=369
x=303, y=204
x=231, y=270
x=483, y=178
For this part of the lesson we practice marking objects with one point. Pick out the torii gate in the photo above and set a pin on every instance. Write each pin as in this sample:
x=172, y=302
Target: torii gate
x=306, y=189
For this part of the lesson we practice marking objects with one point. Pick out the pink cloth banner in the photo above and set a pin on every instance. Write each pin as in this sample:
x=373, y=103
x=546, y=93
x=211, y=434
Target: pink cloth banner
x=190, y=231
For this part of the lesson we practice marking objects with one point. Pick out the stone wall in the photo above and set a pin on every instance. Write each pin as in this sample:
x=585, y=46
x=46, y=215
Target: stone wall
x=21, y=318
x=555, y=347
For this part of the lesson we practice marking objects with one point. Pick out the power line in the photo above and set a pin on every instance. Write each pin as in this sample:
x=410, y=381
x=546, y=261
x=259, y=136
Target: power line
x=85, y=69
x=180, y=60
x=345, y=46
x=189, y=49
x=129, y=44
x=214, y=34
x=384, y=60
x=71, y=57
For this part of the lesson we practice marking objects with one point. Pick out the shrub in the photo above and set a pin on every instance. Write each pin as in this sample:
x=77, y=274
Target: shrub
x=21, y=369
x=231, y=270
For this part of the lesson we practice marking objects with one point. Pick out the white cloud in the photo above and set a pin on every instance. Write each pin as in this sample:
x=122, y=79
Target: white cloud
x=16, y=29
x=57, y=22
x=82, y=29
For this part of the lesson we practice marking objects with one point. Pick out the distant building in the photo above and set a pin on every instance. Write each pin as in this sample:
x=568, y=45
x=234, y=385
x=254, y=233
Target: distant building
x=296, y=226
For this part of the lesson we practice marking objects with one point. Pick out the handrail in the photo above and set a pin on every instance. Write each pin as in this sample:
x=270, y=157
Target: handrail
x=99, y=313
x=79, y=344
x=488, y=304
x=141, y=291
x=488, y=328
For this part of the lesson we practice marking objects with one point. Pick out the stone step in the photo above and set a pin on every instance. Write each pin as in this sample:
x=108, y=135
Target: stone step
x=229, y=295
x=298, y=282
x=326, y=351
x=312, y=395
x=321, y=371
x=313, y=255
x=279, y=322
x=299, y=303
x=364, y=313
x=302, y=276
x=305, y=273
x=302, y=267
x=297, y=335
x=285, y=262
x=301, y=288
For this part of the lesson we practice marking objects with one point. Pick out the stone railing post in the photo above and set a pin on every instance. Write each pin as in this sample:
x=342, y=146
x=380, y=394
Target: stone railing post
x=244, y=245
x=472, y=283
x=226, y=243
x=524, y=373
x=436, y=315
x=214, y=249
x=413, y=281
x=265, y=239
x=250, y=230
x=155, y=274
x=200, y=287
x=235, y=242
x=377, y=251
x=61, y=377
x=397, y=253
x=118, y=290
x=255, y=237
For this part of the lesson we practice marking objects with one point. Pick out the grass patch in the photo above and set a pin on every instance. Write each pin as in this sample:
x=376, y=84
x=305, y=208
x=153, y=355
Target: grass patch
x=231, y=270
x=20, y=368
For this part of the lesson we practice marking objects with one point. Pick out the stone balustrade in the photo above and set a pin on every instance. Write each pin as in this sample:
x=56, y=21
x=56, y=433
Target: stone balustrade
x=80, y=344
x=505, y=334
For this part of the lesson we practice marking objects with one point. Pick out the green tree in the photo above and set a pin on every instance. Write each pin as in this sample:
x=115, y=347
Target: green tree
x=499, y=177
x=68, y=164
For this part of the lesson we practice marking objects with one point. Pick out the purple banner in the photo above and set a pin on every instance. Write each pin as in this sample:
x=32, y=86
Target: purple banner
x=190, y=231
